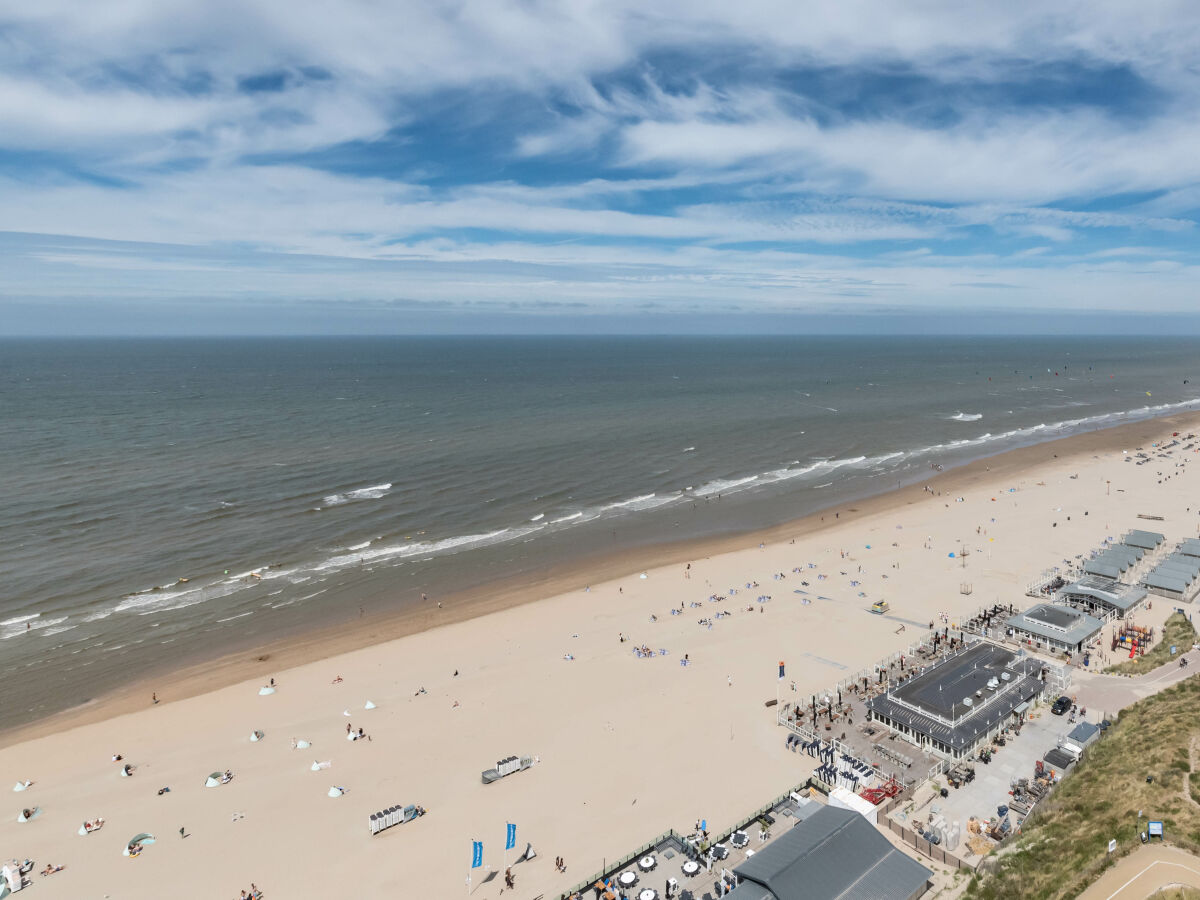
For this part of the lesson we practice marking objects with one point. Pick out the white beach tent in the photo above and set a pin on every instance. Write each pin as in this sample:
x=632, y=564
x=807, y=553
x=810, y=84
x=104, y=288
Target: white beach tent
x=213, y=780
x=22, y=785
x=368, y=705
x=266, y=689
x=302, y=745
x=33, y=814
x=318, y=766
x=335, y=792
x=256, y=736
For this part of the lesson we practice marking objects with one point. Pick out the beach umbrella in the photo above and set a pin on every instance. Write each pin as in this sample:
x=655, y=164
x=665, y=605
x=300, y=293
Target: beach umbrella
x=138, y=840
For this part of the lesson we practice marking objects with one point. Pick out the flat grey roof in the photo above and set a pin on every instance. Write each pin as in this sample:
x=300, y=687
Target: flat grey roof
x=1181, y=561
x=834, y=855
x=931, y=703
x=1146, y=539
x=1190, y=547
x=1106, y=591
x=1083, y=732
x=1165, y=582
x=1099, y=567
x=1122, y=554
x=1058, y=623
x=1166, y=571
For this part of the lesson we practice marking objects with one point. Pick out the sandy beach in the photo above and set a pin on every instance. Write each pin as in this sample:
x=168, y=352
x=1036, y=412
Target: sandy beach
x=627, y=747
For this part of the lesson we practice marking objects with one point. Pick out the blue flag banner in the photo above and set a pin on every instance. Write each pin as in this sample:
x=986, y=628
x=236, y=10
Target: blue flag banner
x=781, y=670
x=476, y=854
x=510, y=836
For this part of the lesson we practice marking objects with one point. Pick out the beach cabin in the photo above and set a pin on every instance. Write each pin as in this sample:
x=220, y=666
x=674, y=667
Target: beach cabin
x=1190, y=547
x=1146, y=540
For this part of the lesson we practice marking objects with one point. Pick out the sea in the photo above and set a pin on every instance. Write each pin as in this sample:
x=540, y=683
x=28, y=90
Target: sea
x=171, y=500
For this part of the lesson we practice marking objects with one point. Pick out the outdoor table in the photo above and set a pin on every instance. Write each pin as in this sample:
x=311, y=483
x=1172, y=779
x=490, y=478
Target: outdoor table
x=719, y=852
x=691, y=867
x=648, y=894
x=627, y=879
x=739, y=839
x=647, y=863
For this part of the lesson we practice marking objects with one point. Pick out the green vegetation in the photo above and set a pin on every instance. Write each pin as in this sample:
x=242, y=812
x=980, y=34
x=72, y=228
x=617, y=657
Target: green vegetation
x=1063, y=846
x=1177, y=631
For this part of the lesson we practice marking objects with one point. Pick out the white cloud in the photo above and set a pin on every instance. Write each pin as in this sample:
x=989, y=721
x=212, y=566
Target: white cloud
x=734, y=187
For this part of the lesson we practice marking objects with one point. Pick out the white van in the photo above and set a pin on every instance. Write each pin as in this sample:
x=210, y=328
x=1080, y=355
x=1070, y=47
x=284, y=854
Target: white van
x=1072, y=750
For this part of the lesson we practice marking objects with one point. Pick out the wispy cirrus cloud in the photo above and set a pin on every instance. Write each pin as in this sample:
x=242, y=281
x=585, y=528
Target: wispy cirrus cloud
x=602, y=153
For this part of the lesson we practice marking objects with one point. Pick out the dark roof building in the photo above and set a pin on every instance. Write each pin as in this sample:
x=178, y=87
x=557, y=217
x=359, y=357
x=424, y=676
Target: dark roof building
x=955, y=704
x=834, y=855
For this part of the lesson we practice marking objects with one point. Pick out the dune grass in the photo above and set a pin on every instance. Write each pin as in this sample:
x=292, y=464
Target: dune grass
x=1063, y=846
x=1177, y=631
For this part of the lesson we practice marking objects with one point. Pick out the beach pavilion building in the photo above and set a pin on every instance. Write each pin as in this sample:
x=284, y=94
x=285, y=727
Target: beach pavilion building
x=833, y=855
x=1055, y=627
x=1104, y=598
x=961, y=702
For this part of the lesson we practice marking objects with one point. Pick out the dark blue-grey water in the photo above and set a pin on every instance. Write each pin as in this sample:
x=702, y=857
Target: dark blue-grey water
x=275, y=475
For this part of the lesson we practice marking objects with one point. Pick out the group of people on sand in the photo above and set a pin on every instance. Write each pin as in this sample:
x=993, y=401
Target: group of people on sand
x=253, y=894
x=93, y=825
x=51, y=869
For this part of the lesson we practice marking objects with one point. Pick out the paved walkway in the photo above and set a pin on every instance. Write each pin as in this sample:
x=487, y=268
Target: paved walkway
x=1111, y=693
x=1145, y=871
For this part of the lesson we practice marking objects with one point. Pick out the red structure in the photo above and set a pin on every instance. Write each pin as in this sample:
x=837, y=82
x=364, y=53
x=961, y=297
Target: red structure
x=885, y=791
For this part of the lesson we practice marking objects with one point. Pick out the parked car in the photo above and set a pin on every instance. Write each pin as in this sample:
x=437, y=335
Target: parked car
x=1061, y=705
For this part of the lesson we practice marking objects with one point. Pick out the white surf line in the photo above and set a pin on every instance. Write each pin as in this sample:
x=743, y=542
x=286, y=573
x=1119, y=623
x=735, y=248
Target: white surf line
x=1157, y=862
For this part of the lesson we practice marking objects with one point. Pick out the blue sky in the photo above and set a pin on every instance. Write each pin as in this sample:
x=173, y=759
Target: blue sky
x=300, y=166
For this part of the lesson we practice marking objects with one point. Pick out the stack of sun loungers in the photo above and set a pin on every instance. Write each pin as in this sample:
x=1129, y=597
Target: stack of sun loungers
x=393, y=815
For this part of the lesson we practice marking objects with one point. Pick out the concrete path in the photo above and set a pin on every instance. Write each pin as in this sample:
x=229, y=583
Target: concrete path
x=1145, y=871
x=1111, y=693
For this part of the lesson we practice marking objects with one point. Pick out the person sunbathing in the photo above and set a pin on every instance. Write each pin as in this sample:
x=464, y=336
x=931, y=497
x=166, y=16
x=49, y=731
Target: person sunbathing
x=50, y=869
x=337, y=680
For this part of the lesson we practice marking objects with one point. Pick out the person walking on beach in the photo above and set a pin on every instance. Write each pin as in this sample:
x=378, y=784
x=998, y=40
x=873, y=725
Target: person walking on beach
x=154, y=697
x=182, y=831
